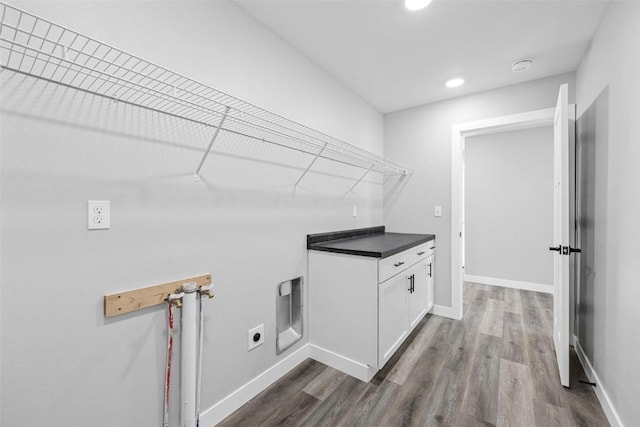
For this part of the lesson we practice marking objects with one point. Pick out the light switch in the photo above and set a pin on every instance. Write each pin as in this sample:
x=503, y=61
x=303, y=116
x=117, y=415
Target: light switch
x=437, y=211
x=355, y=211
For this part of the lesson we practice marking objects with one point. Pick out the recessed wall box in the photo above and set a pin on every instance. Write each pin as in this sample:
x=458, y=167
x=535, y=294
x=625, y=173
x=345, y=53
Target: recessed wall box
x=288, y=314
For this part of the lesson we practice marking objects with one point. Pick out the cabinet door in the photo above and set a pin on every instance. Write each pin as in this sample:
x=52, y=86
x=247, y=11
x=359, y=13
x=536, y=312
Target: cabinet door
x=418, y=295
x=393, y=321
x=431, y=266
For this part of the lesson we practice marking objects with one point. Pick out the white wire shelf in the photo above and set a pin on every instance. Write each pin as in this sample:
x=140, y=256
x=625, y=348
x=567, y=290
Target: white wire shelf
x=36, y=47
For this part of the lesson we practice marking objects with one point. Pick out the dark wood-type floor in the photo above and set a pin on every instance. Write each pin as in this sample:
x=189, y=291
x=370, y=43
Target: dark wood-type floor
x=494, y=367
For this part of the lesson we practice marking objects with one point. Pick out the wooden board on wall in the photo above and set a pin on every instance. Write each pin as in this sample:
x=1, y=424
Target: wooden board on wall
x=126, y=302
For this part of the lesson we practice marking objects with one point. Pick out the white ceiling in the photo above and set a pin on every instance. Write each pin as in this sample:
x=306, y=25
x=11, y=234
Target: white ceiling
x=395, y=59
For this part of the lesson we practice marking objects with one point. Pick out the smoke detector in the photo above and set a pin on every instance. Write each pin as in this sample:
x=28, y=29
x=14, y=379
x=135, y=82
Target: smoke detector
x=521, y=66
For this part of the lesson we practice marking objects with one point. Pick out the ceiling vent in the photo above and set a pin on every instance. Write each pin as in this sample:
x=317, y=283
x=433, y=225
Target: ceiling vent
x=521, y=66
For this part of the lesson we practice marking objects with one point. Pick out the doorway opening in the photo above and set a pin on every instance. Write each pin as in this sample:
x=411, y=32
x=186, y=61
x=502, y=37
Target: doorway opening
x=563, y=298
x=460, y=133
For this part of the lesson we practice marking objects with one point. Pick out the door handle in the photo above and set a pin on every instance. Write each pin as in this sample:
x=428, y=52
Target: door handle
x=411, y=278
x=398, y=264
x=565, y=250
x=429, y=269
x=421, y=253
x=568, y=250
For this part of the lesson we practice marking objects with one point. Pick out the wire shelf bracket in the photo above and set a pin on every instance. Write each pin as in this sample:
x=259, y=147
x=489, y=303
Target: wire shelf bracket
x=36, y=47
x=213, y=139
x=361, y=178
x=317, y=156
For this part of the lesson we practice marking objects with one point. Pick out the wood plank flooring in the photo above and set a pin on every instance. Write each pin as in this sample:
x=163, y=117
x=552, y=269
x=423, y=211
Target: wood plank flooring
x=496, y=367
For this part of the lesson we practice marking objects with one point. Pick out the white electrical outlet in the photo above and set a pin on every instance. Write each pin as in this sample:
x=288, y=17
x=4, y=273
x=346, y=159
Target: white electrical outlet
x=256, y=337
x=355, y=210
x=437, y=211
x=98, y=215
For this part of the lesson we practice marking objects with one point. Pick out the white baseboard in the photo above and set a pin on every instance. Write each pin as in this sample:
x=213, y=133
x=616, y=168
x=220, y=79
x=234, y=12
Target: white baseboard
x=444, y=311
x=506, y=283
x=601, y=392
x=245, y=393
x=341, y=363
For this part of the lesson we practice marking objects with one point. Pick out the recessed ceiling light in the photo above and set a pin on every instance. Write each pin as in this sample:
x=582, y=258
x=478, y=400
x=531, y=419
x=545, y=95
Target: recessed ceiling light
x=416, y=4
x=455, y=82
x=522, y=65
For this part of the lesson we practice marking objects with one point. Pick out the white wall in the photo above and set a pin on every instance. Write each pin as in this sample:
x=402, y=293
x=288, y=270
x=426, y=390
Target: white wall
x=421, y=138
x=63, y=363
x=509, y=205
x=608, y=325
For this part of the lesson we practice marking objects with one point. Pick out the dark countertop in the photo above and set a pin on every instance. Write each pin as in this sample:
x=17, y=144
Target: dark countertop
x=370, y=242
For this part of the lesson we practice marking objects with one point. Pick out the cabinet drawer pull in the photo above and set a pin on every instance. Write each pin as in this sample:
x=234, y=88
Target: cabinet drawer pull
x=398, y=264
x=421, y=253
x=432, y=247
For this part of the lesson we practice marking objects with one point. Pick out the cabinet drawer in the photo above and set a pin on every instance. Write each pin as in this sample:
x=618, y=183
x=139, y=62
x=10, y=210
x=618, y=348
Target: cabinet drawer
x=399, y=262
x=394, y=264
x=423, y=251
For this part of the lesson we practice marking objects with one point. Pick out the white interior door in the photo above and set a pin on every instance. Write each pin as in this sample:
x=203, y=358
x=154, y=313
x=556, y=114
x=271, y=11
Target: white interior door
x=561, y=227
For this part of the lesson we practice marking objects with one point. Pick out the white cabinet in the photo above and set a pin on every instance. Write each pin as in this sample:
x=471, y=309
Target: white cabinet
x=403, y=301
x=393, y=316
x=431, y=265
x=361, y=309
x=417, y=295
x=343, y=311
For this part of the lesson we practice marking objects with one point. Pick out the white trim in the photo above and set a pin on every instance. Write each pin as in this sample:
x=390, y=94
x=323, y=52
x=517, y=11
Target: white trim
x=444, y=311
x=512, y=122
x=601, y=392
x=456, y=222
x=458, y=133
x=245, y=393
x=584, y=361
x=341, y=363
x=506, y=283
